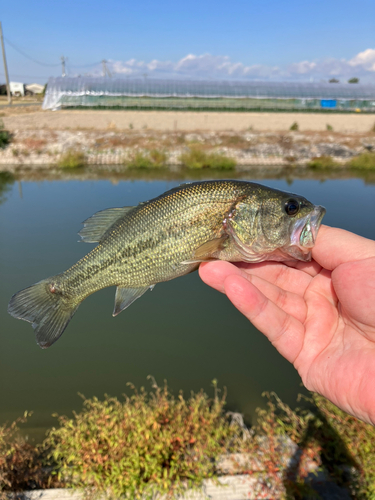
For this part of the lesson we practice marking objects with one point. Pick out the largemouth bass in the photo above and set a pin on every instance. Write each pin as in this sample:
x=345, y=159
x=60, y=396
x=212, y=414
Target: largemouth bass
x=168, y=237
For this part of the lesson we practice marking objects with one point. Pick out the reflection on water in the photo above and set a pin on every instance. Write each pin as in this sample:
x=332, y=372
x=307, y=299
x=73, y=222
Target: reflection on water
x=117, y=173
x=6, y=180
x=183, y=331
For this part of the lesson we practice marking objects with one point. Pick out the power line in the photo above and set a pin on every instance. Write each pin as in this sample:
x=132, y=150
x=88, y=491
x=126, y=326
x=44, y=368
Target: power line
x=27, y=56
x=27, y=76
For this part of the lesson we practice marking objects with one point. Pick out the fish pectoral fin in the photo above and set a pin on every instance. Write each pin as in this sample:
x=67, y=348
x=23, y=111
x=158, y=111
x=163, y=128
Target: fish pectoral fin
x=126, y=296
x=98, y=224
x=208, y=251
x=210, y=248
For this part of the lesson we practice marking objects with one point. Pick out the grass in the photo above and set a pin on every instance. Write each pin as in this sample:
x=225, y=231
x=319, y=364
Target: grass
x=196, y=158
x=152, y=159
x=364, y=161
x=72, y=159
x=322, y=162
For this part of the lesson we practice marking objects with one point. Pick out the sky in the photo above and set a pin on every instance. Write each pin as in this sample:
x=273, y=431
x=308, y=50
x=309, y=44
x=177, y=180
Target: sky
x=275, y=40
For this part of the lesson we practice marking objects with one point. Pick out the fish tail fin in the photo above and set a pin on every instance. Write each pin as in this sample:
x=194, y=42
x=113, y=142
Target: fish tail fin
x=45, y=307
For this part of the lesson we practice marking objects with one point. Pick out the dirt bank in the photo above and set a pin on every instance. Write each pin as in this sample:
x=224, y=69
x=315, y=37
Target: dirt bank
x=39, y=138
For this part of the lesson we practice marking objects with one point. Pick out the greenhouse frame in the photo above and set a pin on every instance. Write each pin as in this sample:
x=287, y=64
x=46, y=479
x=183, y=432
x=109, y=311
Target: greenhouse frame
x=168, y=94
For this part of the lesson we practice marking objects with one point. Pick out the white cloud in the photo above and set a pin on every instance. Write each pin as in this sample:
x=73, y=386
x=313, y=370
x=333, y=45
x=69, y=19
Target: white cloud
x=207, y=66
x=365, y=59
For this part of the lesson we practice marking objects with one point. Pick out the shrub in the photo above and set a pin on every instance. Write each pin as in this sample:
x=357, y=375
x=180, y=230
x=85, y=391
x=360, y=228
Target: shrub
x=294, y=126
x=154, y=159
x=329, y=127
x=196, y=158
x=322, y=162
x=21, y=463
x=364, y=161
x=5, y=136
x=72, y=159
x=151, y=443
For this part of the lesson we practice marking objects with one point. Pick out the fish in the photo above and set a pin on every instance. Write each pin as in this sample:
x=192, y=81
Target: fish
x=167, y=237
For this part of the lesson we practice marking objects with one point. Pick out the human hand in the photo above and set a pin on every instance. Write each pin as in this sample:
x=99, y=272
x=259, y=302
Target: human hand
x=320, y=315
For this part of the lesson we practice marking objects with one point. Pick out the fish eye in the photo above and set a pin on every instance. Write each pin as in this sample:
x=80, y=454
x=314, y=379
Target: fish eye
x=292, y=207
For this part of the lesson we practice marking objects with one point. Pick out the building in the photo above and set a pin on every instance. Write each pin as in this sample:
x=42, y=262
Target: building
x=34, y=88
x=17, y=88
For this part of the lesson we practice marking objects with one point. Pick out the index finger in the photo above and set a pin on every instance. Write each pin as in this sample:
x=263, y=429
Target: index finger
x=335, y=246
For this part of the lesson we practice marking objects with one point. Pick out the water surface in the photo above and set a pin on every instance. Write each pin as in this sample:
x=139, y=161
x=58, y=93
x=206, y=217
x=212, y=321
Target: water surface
x=183, y=331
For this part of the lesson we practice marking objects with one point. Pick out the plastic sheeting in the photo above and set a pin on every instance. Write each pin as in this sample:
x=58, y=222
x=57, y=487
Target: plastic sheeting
x=145, y=93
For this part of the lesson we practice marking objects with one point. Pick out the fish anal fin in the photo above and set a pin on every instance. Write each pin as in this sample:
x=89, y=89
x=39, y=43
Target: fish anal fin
x=126, y=296
x=98, y=224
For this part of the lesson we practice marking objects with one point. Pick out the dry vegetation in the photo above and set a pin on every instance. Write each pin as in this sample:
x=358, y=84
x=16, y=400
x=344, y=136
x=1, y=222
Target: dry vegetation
x=155, y=443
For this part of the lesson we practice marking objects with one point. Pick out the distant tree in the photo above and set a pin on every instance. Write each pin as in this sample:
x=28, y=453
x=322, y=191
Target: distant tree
x=333, y=80
x=353, y=80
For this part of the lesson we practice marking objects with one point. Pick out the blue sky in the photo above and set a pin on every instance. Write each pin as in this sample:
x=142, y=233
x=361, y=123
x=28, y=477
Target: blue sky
x=267, y=39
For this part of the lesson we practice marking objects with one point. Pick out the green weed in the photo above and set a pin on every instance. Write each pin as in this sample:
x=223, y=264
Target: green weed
x=365, y=161
x=152, y=159
x=294, y=126
x=72, y=159
x=196, y=158
x=329, y=127
x=5, y=136
x=322, y=162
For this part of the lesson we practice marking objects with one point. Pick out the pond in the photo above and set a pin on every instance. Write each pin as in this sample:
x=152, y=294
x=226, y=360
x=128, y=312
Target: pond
x=182, y=332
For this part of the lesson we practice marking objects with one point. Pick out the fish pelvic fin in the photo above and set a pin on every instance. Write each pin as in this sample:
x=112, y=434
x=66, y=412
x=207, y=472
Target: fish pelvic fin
x=126, y=296
x=95, y=227
x=45, y=308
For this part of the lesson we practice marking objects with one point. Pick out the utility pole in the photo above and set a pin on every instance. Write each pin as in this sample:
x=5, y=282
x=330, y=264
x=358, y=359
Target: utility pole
x=105, y=69
x=5, y=66
x=63, y=61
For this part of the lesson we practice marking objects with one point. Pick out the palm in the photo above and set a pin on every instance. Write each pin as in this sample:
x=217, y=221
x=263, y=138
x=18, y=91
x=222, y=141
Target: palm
x=320, y=316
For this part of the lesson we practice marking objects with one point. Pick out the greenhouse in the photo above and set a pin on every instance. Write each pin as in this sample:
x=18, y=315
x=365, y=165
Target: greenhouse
x=147, y=93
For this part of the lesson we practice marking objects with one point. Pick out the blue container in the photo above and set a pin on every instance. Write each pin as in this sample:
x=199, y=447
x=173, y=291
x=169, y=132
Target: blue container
x=328, y=103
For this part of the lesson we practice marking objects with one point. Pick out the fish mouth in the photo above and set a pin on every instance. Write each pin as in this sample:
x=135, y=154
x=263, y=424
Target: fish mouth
x=305, y=230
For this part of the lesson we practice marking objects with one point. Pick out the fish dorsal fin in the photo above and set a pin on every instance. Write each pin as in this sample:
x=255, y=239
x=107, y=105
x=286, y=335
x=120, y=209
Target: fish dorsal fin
x=208, y=251
x=98, y=224
x=126, y=296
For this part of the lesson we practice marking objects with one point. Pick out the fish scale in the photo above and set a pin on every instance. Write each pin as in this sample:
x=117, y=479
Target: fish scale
x=168, y=237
